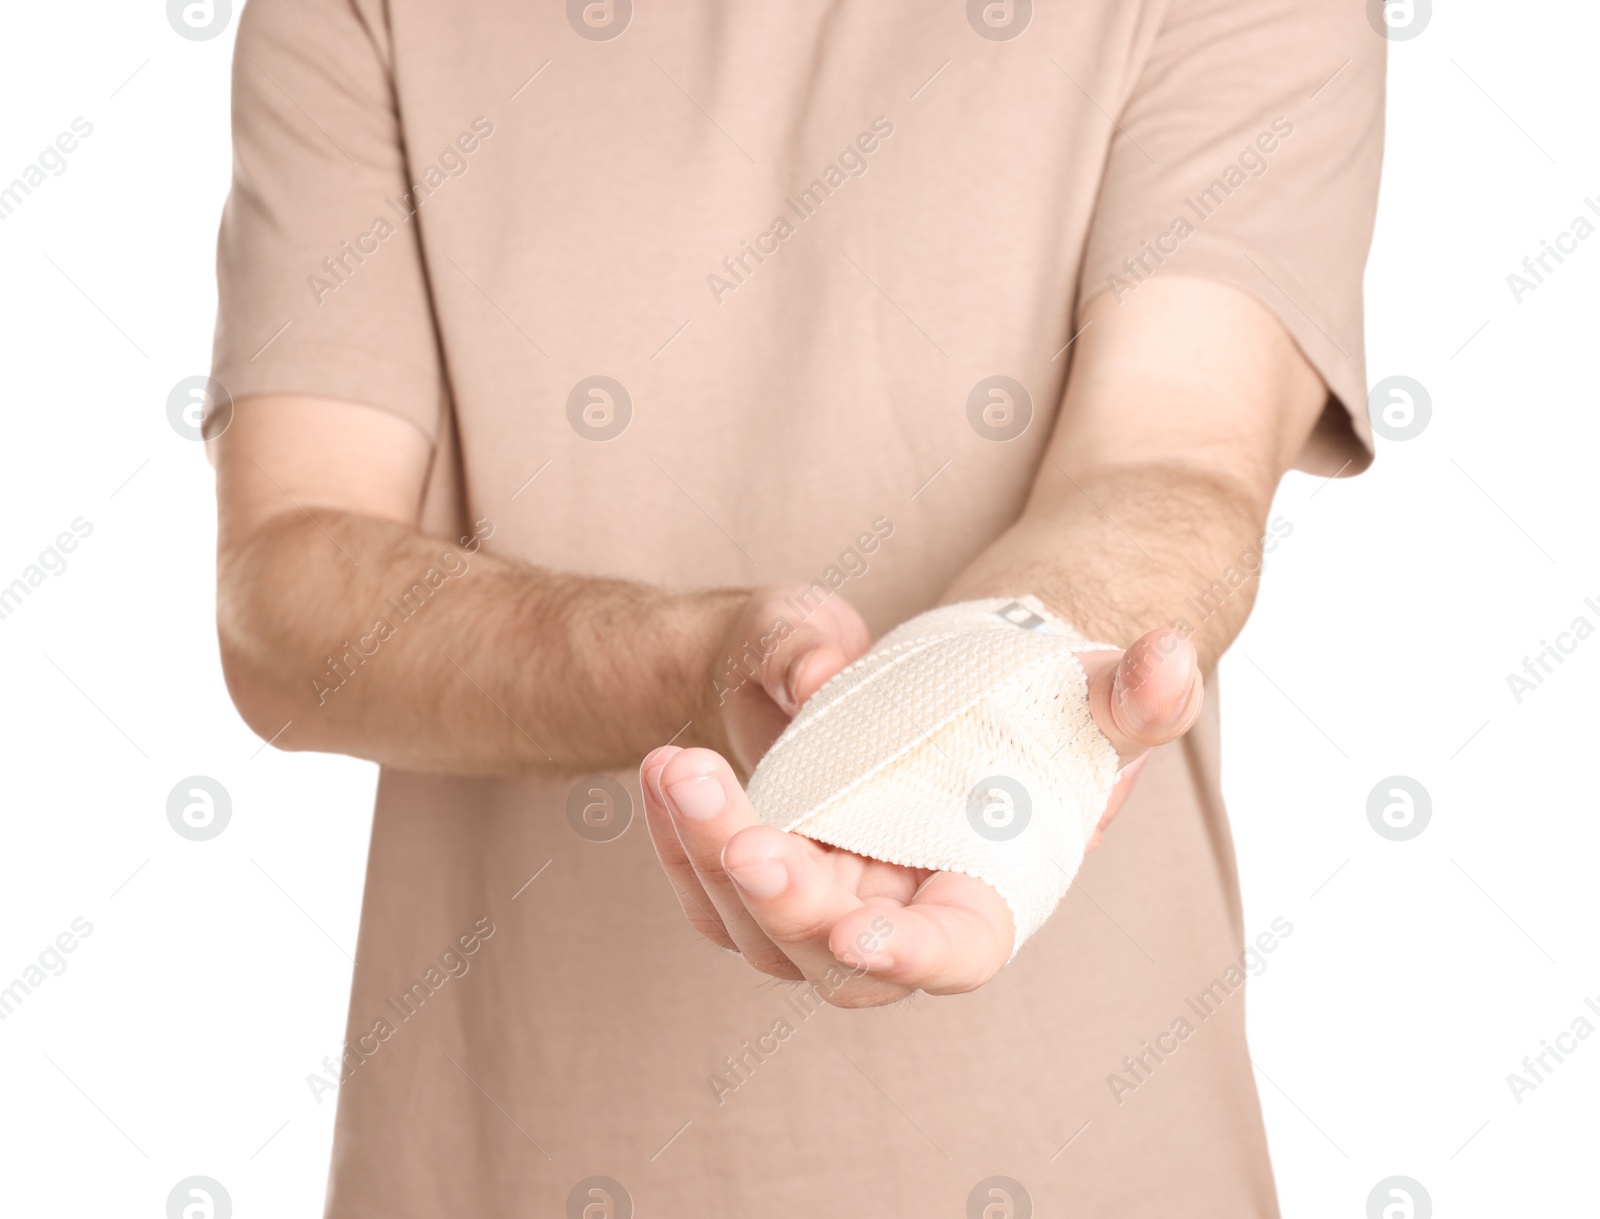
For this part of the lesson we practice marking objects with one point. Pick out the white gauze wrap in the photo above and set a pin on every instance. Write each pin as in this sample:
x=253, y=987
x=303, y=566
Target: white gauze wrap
x=961, y=742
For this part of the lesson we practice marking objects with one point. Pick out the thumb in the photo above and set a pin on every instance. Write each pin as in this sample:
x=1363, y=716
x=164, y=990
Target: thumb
x=1146, y=696
x=814, y=651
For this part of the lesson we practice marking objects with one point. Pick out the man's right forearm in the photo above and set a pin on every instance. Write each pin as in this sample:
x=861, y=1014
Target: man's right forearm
x=345, y=633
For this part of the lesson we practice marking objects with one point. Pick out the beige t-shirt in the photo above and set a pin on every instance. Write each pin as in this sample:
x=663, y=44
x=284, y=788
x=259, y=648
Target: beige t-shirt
x=717, y=293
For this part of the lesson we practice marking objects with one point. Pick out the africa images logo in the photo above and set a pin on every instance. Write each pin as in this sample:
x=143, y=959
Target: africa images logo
x=599, y=20
x=999, y=20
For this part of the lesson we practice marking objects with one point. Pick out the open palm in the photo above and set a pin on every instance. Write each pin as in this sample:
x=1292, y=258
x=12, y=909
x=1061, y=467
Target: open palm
x=863, y=931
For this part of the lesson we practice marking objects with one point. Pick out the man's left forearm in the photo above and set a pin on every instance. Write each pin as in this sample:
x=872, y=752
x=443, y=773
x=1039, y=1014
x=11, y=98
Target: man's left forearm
x=1183, y=410
x=1119, y=552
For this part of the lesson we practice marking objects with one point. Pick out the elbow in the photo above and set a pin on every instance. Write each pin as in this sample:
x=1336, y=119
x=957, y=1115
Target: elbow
x=257, y=668
x=260, y=699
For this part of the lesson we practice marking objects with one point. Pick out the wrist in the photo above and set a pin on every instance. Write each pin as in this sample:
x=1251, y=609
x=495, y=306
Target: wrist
x=707, y=621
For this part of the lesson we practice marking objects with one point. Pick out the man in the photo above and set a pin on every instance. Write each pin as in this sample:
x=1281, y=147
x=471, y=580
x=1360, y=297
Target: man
x=572, y=353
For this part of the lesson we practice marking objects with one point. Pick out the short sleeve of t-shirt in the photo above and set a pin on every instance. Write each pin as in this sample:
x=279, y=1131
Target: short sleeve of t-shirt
x=1248, y=151
x=321, y=287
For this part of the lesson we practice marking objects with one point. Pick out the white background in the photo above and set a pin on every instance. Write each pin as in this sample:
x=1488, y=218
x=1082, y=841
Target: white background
x=1419, y=974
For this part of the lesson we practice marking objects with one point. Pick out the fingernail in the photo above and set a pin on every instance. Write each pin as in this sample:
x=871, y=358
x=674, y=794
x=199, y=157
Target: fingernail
x=763, y=878
x=791, y=679
x=699, y=798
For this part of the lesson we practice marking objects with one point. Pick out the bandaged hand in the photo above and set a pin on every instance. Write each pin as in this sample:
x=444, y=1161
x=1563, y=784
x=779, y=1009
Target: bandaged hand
x=928, y=807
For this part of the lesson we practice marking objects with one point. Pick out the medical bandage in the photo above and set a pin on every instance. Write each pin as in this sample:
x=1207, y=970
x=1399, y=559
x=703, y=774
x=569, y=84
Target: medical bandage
x=962, y=742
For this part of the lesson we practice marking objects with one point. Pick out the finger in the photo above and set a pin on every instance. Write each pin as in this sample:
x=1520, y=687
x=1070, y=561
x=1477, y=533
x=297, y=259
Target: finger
x=797, y=668
x=1119, y=796
x=707, y=808
x=955, y=935
x=797, y=898
x=1149, y=695
x=849, y=629
x=697, y=907
x=822, y=637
